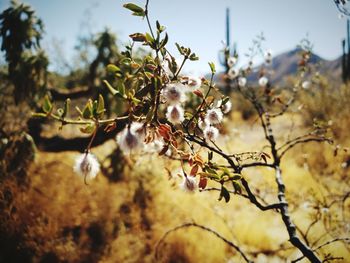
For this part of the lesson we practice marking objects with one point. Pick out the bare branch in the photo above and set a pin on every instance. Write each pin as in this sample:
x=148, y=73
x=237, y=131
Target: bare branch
x=186, y=225
x=317, y=139
x=323, y=245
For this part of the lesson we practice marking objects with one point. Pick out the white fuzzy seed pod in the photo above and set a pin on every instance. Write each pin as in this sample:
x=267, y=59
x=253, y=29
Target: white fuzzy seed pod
x=175, y=114
x=306, y=84
x=87, y=166
x=232, y=73
x=263, y=81
x=213, y=116
x=189, y=184
x=242, y=81
x=211, y=133
x=174, y=93
x=131, y=138
x=231, y=61
x=226, y=108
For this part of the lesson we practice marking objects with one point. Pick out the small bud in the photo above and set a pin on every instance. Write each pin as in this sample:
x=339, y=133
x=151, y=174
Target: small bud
x=225, y=108
x=306, y=84
x=175, y=114
x=87, y=166
x=242, y=81
x=232, y=73
x=231, y=61
x=268, y=56
x=189, y=184
x=211, y=133
x=263, y=81
x=213, y=116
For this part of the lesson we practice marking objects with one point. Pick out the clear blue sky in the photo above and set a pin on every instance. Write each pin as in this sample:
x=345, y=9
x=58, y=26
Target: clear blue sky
x=199, y=24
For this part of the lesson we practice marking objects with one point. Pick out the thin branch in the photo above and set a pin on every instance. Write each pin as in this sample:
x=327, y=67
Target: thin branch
x=323, y=245
x=290, y=146
x=186, y=225
x=250, y=196
x=254, y=201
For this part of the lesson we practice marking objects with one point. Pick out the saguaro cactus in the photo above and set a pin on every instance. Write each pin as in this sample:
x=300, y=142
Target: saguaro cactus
x=227, y=51
x=346, y=54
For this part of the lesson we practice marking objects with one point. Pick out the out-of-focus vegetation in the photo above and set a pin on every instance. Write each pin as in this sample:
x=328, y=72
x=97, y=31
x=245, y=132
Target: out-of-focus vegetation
x=48, y=215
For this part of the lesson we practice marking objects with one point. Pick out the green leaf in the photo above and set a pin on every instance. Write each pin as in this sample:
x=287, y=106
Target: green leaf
x=88, y=129
x=135, y=100
x=111, y=89
x=138, y=37
x=137, y=11
x=164, y=41
x=236, y=177
x=212, y=171
x=224, y=193
x=66, y=108
x=212, y=67
x=60, y=112
x=112, y=69
x=47, y=105
x=79, y=110
x=193, y=57
x=121, y=90
x=87, y=111
x=101, y=105
x=210, y=156
x=237, y=187
x=180, y=49
x=38, y=115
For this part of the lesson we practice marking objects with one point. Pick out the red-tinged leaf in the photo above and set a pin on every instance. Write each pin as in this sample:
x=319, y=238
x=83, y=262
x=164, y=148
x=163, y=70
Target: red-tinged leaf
x=190, y=161
x=174, y=143
x=110, y=127
x=164, y=134
x=164, y=127
x=198, y=93
x=203, y=182
x=194, y=170
x=138, y=37
x=164, y=150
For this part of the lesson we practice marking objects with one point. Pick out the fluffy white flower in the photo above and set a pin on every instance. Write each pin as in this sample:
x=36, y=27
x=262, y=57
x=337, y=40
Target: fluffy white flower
x=231, y=61
x=87, y=166
x=213, y=116
x=175, y=114
x=174, y=93
x=202, y=124
x=226, y=108
x=263, y=81
x=242, y=81
x=131, y=138
x=232, y=73
x=211, y=133
x=155, y=146
x=189, y=184
x=306, y=84
x=194, y=83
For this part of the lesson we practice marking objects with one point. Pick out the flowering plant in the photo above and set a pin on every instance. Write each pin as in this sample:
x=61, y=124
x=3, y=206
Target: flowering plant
x=181, y=117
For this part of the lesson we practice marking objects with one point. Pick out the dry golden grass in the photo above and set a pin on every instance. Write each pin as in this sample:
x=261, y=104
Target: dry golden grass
x=58, y=218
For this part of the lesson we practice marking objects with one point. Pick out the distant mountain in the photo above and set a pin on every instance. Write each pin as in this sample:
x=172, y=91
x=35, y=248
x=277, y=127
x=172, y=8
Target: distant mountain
x=286, y=64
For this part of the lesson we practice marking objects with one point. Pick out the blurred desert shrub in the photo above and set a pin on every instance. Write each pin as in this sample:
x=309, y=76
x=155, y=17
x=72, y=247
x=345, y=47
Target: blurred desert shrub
x=328, y=103
x=55, y=218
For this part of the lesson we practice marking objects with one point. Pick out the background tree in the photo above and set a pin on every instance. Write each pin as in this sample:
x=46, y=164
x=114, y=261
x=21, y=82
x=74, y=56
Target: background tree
x=21, y=32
